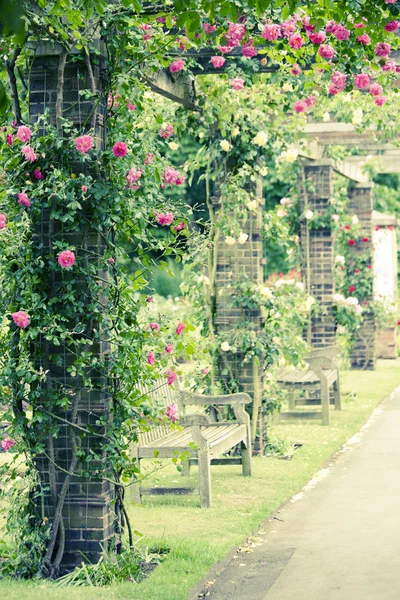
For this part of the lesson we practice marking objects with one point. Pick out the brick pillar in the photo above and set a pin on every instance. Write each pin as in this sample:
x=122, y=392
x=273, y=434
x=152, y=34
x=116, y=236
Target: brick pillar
x=237, y=263
x=363, y=353
x=89, y=508
x=318, y=251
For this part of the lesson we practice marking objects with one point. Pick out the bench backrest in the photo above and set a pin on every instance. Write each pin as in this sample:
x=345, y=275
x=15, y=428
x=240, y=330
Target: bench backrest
x=161, y=395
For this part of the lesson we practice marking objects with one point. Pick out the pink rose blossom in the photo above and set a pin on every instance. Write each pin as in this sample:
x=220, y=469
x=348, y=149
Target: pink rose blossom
x=24, y=133
x=364, y=39
x=235, y=34
x=288, y=27
x=84, y=143
x=23, y=199
x=177, y=65
x=7, y=443
x=21, y=319
x=38, y=174
x=389, y=66
x=166, y=131
x=339, y=79
x=249, y=51
x=299, y=106
x=172, y=410
x=151, y=358
x=208, y=28
x=376, y=89
x=318, y=37
x=171, y=375
x=218, y=61
x=29, y=153
x=341, y=33
x=295, y=70
x=296, y=41
x=179, y=227
x=148, y=159
x=180, y=180
x=359, y=25
x=382, y=49
x=392, y=26
x=84, y=189
x=149, y=299
x=310, y=100
x=164, y=219
x=66, y=259
x=362, y=81
x=172, y=176
x=154, y=327
x=131, y=106
x=326, y=51
x=333, y=89
x=111, y=260
x=3, y=221
x=331, y=26
x=225, y=49
x=133, y=176
x=120, y=149
x=390, y=1
x=9, y=139
x=205, y=371
x=237, y=83
x=180, y=328
x=169, y=348
x=271, y=32
x=380, y=100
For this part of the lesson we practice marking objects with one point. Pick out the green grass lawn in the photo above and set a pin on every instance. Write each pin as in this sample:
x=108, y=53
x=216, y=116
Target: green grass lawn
x=198, y=538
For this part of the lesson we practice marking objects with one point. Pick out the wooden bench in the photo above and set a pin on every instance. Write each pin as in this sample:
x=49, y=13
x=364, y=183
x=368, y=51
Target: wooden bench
x=204, y=440
x=321, y=375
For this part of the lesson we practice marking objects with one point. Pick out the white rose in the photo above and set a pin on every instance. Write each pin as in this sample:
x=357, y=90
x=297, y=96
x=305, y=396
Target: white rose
x=290, y=281
x=225, y=347
x=173, y=145
x=230, y=240
x=291, y=155
x=261, y=138
x=252, y=205
x=300, y=285
x=285, y=201
x=287, y=87
x=243, y=237
x=204, y=279
x=340, y=260
x=309, y=302
x=309, y=215
x=281, y=212
x=266, y=292
x=335, y=218
x=235, y=131
x=351, y=301
x=280, y=283
x=338, y=298
x=341, y=329
x=355, y=220
x=225, y=145
x=264, y=171
x=201, y=135
x=326, y=117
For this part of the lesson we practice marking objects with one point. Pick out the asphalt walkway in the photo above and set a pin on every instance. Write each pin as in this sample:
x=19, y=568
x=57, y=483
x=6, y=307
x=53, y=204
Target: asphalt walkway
x=340, y=538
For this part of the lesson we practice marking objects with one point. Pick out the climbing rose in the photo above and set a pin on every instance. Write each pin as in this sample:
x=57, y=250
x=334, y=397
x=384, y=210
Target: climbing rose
x=177, y=65
x=84, y=143
x=148, y=159
x=364, y=39
x=9, y=139
x=38, y=174
x=166, y=131
x=360, y=25
x=66, y=258
x=317, y=38
x=164, y=219
x=84, y=189
x=111, y=260
x=362, y=81
x=120, y=149
x=29, y=153
x=3, y=220
x=205, y=371
x=180, y=328
x=179, y=227
x=225, y=145
x=151, y=359
x=310, y=100
x=149, y=299
x=339, y=79
x=295, y=70
x=218, y=61
x=169, y=348
x=331, y=26
x=380, y=100
x=365, y=239
x=390, y=1
x=288, y=27
x=326, y=51
x=392, y=26
x=172, y=411
x=390, y=66
x=24, y=133
x=154, y=327
x=351, y=242
x=131, y=107
x=300, y=106
x=271, y=32
x=237, y=83
x=341, y=33
x=375, y=89
x=249, y=50
x=352, y=289
x=23, y=199
x=208, y=28
x=296, y=41
x=171, y=176
x=21, y=319
x=382, y=49
x=133, y=176
x=7, y=443
x=171, y=375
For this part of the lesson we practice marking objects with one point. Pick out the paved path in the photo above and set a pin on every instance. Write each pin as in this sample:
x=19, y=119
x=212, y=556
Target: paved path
x=341, y=540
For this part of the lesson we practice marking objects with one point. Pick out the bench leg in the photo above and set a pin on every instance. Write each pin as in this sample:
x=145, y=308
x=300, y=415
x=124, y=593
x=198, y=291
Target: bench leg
x=185, y=468
x=336, y=390
x=205, y=478
x=291, y=400
x=325, y=403
x=246, y=459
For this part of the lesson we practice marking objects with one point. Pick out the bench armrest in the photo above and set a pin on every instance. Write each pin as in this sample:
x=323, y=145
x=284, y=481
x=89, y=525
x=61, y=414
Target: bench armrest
x=190, y=398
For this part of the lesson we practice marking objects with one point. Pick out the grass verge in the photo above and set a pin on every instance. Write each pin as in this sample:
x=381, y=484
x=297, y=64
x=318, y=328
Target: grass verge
x=198, y=538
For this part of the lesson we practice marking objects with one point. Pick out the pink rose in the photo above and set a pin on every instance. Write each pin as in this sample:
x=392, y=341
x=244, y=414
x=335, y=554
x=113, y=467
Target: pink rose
x=9, y=139
x=331, y=26
x=376, y=89
x=29, y=153
x=170, y=175
x=111, y=260
x=133, y=176
x=310, y=100
x=390, y=66
x=225, y=49
x=380, y=100
x=3, y=221
x=166, y=131
x=235, y=34
x=7, y=443
x=171, y=376
x=21, y=319
x=154, y=327
x=38, y=174
x=390, y=1
x=318, y=37
x=149, y=299
x=326, y=51
x=295, y=70
x=177, y=65
x=218, y=61
x=66, y=259
x=208, y=28
x=360, y=25
x=84, y=143
x=120, y=149
x=169, y=348
x=151, y=358
x=172, y=411
x=131, y=107
x=364, y=39
x=341, y=33
x=84, y=189
x=180, y=328
x=333, y=89
x=179, y=227
x=237, y=83
x=164, y=219
x=148, y=159
x=249, y=51
x=23, y=199
x=296, y=41
x=339, y=79
x=288, y=27
x=392, y=26
x=24, y=133
x=382, y=49
x=205, y=371
x=362, y=81
x=299, y=106
x=271, y=32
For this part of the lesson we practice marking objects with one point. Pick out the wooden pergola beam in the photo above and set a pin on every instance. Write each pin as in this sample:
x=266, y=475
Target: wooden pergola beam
x=179, y=88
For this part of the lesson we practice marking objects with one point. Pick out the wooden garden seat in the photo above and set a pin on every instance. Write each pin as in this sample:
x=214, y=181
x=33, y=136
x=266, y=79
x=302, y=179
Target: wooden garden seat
x=321, y=375
x=204, y=440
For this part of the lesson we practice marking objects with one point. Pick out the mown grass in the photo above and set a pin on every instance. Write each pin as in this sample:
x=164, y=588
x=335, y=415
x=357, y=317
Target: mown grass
x=198, y=538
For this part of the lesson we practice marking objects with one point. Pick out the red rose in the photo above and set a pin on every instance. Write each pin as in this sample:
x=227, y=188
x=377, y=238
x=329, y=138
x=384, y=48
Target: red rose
x=351, y=242
x=352, y=289
x=357, y=271
x=347, y=227
x=365, y=239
